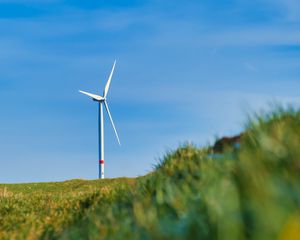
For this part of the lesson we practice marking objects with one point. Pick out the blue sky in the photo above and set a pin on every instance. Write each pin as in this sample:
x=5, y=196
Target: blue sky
x=186, y=71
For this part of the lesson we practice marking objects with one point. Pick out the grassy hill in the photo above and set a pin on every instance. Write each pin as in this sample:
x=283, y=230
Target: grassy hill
x=250, y=192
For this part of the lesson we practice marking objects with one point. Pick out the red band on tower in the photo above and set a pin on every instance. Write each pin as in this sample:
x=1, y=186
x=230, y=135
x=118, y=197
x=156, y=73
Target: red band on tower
x=101, y=161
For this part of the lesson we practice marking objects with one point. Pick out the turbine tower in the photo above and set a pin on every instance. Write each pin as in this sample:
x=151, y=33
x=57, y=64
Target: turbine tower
x=102, y=101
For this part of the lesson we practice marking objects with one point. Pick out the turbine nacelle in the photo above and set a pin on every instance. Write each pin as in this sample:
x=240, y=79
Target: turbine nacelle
x=95, y=100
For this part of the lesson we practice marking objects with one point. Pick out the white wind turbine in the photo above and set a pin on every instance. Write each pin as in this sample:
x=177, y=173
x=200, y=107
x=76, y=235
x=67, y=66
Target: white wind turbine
x=102, y=101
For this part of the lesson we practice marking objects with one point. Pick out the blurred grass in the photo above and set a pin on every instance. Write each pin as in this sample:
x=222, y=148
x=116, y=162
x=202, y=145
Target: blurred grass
x=249, y=193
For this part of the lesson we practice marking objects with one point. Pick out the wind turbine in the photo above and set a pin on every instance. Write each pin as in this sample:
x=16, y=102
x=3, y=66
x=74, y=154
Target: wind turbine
x=102, y=101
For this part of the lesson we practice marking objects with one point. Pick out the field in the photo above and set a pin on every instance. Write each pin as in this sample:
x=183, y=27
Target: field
x=41, y=210
x=249, y=192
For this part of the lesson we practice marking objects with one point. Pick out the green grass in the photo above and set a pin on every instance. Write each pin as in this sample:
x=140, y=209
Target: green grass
x=42, y=210
x=248, y=193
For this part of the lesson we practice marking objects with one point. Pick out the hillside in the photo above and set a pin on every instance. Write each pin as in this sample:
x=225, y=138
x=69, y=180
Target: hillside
x=246, y=192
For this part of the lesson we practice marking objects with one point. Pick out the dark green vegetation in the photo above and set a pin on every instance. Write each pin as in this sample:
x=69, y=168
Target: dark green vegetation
x=248, y=193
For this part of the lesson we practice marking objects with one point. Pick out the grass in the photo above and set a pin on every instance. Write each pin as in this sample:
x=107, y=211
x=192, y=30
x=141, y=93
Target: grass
x=42, y=210
x=250, y=193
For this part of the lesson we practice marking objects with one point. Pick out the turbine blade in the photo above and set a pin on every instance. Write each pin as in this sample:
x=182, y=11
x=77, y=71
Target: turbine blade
x=109, y=80
x=94, y=96
x=112, y=122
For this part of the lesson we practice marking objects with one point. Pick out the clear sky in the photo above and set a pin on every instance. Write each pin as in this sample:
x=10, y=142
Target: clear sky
x=186, y=71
